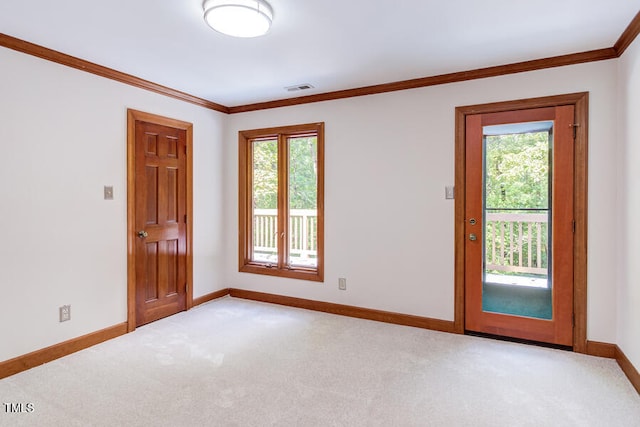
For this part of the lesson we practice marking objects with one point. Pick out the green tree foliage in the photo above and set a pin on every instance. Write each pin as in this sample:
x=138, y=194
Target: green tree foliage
x=517, y=177
x=265, y=174
x=517, y=168
x=303, y=173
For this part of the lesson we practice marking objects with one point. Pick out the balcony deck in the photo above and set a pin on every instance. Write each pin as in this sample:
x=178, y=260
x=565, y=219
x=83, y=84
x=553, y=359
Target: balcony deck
x=532, y=282
x=516, y=243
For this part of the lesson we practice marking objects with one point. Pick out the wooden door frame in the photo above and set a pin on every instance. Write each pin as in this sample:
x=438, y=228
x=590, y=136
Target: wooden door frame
x=580, y=101
x=132, y=117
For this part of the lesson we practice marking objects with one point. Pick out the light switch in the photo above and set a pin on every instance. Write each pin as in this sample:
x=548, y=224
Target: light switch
x=108, y=192
x=449, y=192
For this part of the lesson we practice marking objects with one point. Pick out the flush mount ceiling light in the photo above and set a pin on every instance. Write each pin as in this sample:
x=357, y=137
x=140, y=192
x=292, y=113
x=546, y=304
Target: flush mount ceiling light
x=238, y=18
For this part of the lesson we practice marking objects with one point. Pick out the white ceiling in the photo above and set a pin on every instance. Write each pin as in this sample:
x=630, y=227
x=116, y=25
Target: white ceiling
x=331, y=44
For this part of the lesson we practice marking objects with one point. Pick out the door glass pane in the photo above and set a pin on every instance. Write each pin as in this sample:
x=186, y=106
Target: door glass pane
x=265, y=201
x=516, y=220
x=303, y=206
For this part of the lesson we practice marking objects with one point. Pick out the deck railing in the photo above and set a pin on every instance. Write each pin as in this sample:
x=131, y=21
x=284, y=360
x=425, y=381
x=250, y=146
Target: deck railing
x=517, y=242
x=303, y=240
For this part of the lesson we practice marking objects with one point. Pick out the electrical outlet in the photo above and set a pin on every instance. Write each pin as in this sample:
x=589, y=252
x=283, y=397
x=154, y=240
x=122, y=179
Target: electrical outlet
x=108, y=192
x=342, y=284
x=65, y=313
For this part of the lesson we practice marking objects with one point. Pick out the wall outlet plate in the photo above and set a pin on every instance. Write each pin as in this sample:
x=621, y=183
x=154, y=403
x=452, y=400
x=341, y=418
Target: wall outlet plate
x=65, y=313
x=108, y=192
x=342, y=283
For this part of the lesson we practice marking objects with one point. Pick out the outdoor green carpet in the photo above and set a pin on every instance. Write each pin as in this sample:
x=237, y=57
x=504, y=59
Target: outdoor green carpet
x=517, y=300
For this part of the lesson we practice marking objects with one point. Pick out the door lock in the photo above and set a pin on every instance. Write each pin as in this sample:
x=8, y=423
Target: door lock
x=472, y=221
x=142, y=234
x=472, y=237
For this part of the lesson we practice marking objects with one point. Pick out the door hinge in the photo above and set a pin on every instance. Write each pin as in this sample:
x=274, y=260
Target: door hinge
x=575, y=127
x=574, y=227
x=185, y=218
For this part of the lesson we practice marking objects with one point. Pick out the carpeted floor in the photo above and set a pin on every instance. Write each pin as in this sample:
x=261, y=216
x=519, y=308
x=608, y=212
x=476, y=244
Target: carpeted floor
x=241, y=363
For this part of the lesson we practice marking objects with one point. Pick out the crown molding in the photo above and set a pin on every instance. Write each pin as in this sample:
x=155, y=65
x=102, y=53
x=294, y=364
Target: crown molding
x=480, y=73
x=625, y=40
x=628, y=36
x=109, y=73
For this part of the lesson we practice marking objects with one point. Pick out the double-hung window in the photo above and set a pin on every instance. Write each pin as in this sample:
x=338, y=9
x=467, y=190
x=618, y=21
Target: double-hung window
x=281, y=201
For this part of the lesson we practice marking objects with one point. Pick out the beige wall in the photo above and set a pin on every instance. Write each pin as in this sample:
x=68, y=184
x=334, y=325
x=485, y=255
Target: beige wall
x=389, y=229
x=628, y=207
x=63, y=137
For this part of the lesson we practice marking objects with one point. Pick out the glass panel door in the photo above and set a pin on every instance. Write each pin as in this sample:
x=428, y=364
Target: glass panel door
x=517, y=277
x=519, y=216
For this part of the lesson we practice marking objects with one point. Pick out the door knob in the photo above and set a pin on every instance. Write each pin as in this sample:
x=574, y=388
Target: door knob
x=472, y=237
x=142, y=233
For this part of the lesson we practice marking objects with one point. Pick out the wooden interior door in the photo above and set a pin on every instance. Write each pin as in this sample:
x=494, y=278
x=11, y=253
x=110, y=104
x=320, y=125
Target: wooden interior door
x=159, y=231
x=557, y=327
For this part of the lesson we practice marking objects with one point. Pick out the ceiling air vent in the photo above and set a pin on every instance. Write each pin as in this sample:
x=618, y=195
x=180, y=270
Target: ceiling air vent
x=296, y=88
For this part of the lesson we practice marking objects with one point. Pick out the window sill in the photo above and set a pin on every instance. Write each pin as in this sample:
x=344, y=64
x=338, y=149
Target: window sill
x=299, y=273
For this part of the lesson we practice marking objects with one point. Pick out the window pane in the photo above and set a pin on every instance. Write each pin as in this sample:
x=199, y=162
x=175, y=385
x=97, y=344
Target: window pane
x=303, y=205
x=281, y=192
x=265, y=201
